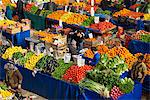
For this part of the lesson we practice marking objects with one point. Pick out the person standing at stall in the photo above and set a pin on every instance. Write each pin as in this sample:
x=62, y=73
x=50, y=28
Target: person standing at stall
x=139, y=69
x=94, y=61
x=78, y=37
x=140, y=23
x=20, y=9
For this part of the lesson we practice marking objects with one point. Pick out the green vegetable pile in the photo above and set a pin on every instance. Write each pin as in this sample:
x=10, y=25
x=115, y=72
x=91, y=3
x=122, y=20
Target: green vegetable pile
x=88, y=21
x=108, y=78
x=24, y=59
x=3, y=87
x=145, y=38
x=116, y=64
x=94, y=86
x=100, y=11
x=34, y=9
x=126, y=85
x=45, y=13
x=60, y=71
x=17, y=55
x=47, y=64
x=42, y=63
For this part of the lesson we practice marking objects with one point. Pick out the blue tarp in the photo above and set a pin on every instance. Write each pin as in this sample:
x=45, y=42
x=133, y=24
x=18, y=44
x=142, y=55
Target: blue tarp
x=18, y=39
x=136, y=46
x=51, y=88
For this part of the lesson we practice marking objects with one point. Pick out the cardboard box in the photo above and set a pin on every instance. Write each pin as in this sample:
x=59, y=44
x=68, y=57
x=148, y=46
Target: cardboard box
x=13, y=31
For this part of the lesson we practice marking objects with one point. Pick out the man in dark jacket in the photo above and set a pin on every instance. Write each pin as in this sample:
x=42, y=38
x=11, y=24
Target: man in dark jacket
x=20, y=9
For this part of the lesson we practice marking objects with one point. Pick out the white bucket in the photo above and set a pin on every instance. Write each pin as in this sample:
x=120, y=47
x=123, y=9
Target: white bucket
x=67, y=58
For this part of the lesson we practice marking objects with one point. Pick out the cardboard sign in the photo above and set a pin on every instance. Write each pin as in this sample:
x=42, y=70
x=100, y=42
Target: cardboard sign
x=66, y=8
x=92, y=2
x=90, y=35
x=60, y=23
x=92, y=11
x=96, y=19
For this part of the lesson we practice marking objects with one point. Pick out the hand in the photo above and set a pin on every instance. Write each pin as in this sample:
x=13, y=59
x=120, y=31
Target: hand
x=19, y=86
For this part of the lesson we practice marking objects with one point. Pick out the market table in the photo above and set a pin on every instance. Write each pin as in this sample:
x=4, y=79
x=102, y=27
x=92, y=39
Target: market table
x=17, y=39
x=49, y=87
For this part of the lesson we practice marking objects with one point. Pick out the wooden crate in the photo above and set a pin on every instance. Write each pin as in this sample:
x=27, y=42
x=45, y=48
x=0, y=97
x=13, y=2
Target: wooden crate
x=13, y=31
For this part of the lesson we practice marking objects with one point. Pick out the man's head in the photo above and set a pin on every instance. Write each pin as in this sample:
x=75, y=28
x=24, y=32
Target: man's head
x=94, y=49
x=142, y=17
x=140, y=58
x=73, y=43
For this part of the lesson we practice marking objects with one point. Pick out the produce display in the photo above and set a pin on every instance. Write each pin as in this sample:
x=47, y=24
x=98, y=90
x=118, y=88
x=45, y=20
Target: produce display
x=88, y=8
x=44, y=36
x=146, y=16
x=31, y=62
x=75, y=73
x=126, y=85
x=25, y=58
x=56, y=15
x=4, y=92
x=88, y=53
x=75, y=18
x=17, y=55
x=141, y=35
x=115, y=93
x=100, y=11
x=79, y=4
x=10, y=51
x=47, y=64
x=88, y=21
x=61, y=70
x=128, y=13
x=103, y=26
x=116, y=64
x=62, y=2
x=35, y=10
x=96, y=87
x=106, y=77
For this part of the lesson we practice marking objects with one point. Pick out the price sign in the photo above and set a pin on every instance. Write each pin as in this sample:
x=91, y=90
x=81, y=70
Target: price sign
x=92, y=2
x=90, y=35
x=96, y=19
x=66, y=8
x=92, y=11
x=78, y=1
x=60, y=23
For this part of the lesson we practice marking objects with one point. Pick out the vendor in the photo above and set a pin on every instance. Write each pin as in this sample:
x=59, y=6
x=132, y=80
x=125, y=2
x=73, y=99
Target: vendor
x=105, y=4
x=140, y=23
x=13, y=77
x=8, y=13
x=73, y=49
x=138, y=71
x=78, y=37
x=96, y=58
x=20, y=9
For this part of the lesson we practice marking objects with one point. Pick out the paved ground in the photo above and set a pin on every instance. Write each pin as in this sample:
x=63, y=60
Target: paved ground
x=36, y=97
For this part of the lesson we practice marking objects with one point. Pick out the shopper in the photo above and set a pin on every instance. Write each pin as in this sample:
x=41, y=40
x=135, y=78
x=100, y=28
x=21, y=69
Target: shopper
x=8, y=13
x=78, y=37
x=20, y=9
x=13, y=77
x=138, y=71
x=140, y=23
